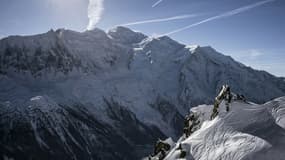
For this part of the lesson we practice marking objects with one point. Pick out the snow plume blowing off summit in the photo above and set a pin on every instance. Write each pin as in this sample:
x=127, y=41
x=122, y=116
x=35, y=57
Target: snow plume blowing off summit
x=95, y=10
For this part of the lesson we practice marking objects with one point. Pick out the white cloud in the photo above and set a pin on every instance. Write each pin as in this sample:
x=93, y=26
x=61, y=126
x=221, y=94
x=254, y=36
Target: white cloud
x=254, y=53
x=95, y=11
x=156, y=3
x=223, y=15
x=161, y=19
x=249, y=54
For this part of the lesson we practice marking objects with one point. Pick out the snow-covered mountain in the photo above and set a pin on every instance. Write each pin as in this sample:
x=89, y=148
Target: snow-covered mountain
x=97, y=95
x=248, y=132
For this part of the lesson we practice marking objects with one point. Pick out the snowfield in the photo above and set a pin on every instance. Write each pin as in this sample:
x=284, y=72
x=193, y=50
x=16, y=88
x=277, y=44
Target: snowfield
x=247, y=132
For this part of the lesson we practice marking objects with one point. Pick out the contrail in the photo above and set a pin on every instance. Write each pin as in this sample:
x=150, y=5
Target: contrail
x=224, y=15
x=156, y=3
x=95, y=10
x=161, y=19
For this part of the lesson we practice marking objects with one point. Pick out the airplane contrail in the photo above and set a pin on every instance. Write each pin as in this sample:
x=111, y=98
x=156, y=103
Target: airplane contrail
x=223, y=15
x=156, y=3
x=161, y=19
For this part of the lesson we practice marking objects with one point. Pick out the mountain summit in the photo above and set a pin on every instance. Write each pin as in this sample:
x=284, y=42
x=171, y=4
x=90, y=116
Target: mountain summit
x=98, y=95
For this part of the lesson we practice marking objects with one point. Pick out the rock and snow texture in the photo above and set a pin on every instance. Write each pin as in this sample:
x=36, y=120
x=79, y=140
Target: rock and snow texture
x=84, y=95
x=247, y=132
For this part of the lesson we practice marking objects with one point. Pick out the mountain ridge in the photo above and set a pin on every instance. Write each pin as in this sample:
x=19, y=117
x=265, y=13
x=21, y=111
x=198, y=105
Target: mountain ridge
x=130, y=87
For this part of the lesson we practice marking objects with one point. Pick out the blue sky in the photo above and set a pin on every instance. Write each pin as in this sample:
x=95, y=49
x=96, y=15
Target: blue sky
x=254, y=36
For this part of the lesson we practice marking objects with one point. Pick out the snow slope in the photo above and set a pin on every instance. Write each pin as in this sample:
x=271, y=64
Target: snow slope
x=128, y=85
x=247, y=132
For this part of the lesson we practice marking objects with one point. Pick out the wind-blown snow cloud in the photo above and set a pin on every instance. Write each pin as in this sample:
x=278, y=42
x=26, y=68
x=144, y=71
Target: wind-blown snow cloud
x=156, y=3
x=95, y=11
x=223, y=15
x=161, y=19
